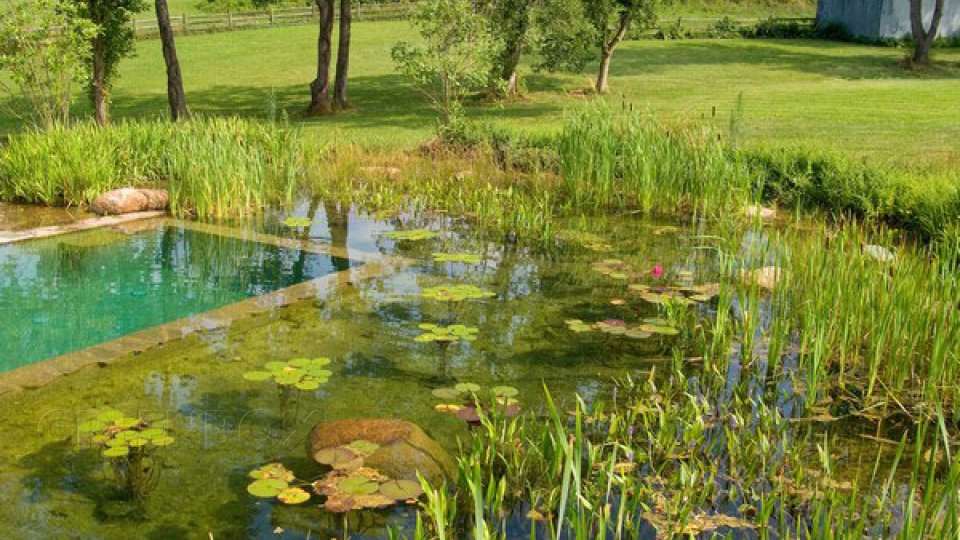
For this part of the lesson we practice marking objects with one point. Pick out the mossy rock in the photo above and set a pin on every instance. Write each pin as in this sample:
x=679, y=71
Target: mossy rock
x=404, y=448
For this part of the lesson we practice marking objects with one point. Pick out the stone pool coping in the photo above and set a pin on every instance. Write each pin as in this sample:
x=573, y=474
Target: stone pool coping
x=10, y=237
x=41, y=373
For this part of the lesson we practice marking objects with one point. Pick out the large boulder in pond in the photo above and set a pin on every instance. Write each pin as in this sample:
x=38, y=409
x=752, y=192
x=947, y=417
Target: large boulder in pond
x=127, y=200
x=404, y=448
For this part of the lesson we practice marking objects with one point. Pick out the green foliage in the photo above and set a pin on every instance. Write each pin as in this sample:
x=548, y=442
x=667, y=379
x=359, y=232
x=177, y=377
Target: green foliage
x=456, y=293
x=212, y=167
x=45, y=46
x=446, y=334
x=925, y=203
x=306, y=374
x=411, y=235
x=455, y=57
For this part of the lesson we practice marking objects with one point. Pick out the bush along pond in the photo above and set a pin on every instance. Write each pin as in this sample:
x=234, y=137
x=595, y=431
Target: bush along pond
x=598, y=340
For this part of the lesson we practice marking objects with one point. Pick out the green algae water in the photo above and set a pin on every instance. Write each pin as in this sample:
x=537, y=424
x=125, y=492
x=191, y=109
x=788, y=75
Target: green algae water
x=65, y=293
x=51, y=486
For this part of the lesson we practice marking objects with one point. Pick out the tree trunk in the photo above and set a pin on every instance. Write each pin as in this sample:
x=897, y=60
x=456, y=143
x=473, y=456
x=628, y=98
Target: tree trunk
x=98, y=78
x=510, y=65
x=320, y=87
x=923, y=38
x=607, y=48
x=175, y=94
x=604, y=76
x=341, y=101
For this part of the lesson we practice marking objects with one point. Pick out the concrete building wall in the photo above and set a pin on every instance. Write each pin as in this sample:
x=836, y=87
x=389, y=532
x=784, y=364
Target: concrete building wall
x=884, y=18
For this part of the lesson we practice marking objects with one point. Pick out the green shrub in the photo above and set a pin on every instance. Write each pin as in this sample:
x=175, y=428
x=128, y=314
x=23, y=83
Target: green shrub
x=926, y=203
x=213, y=167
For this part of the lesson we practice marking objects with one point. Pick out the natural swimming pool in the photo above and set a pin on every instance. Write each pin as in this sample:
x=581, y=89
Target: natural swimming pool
x=65, y=293
x=225, y=425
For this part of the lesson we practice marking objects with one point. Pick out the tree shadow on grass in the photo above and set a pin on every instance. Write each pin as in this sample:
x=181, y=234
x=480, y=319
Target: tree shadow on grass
x=808, y=56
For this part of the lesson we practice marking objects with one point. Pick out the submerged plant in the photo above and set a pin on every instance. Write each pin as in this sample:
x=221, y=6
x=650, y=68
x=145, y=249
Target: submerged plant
x=446, y=334
x=128, y=444
x=456, y=293
x=305, y=374
x=588, y=240
x=411, y=235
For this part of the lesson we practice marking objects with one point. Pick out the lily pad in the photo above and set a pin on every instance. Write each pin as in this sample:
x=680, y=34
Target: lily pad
x=505, y=391
x=465, y=258
x=467, y=388
x=296, y=222
x=92, y=426
x=272, y=470
x=162, y=441
x=447, y=393
x=257, y=376
x=267, y=488
x=340, y=457
x=116, y=452
x=411, y=235
x=363, y=448
x=401, y=490
x=109, y=416
x=358, y=485
x=293, y=496
x=456, y=293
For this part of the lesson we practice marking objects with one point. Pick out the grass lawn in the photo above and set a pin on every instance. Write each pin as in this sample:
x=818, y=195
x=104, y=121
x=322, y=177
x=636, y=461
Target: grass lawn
x=851, y=97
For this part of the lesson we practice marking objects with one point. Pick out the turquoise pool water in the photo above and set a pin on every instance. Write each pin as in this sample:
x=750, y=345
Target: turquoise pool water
x=66, y=293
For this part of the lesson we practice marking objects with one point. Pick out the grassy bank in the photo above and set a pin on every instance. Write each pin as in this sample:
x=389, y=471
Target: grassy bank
x=847, y=97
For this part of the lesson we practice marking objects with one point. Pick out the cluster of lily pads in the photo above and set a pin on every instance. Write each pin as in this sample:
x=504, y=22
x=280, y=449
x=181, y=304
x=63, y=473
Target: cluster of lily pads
x=619, y=327
x=456, y=293
x=121, y=437
x=464, y=401
x=411, y=235
x=348, y=486
x=678, y=294
x=305, y=374
x=446, y=334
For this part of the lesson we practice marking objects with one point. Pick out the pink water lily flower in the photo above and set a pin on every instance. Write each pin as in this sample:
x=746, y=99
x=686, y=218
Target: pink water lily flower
x=657, y=271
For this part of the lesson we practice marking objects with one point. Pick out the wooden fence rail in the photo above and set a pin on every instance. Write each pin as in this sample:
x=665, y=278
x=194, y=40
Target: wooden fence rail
x=222, y=22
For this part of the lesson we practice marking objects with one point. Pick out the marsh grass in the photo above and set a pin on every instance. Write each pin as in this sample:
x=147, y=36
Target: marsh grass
x=214, y=167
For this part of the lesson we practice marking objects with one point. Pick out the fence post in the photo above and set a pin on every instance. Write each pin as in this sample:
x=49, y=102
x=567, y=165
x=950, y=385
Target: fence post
x=271, y=15
x=133, y=23
x=183, y=23
x=230, y=20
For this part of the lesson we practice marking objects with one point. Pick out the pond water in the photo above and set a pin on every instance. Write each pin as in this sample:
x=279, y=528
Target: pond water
x=116, y=283
x=226, y=426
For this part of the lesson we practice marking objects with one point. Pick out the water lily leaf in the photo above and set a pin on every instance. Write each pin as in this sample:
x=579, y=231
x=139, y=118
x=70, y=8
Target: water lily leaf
x=300, y=362
x=272, y=470
x=307, y=386
x=127, y=435
x=338, y=457
x=295, y=222
x=116, y=452
x=153, y=433
x=447, y=393
x=293, y=496
x=401, y=490
x=109, y=416
x=363, y=448
x=125, y=423
x=116, y=442
x=100, y=439
x=257, y=376
x=467, y=388
x=162, y=441
x=267, y=488
x=411, y=235
x=505, y=391
x=358, y=485
x=275, y=366
x=465, y=258
x=137, y=442
x=456, y=293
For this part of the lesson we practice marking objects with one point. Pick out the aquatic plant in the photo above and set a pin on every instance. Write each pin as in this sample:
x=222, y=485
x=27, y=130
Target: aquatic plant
x=465, y=258
x=297, y=222
x=446, y=334
x=456, y=293
x=212, y=167
x=468, y=402
x=128, y=444
x=305, y=374
x=585, y=239
x=411, y=235
x=348, y=486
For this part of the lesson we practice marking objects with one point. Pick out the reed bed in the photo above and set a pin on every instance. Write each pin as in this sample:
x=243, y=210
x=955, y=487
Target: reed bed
x=213, y=167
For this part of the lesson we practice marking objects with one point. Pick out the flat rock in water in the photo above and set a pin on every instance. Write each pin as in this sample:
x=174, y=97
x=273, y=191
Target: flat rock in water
x=762, y=212
x=879, y=253
x=129, y=200
x=404, y=448
x=765, y=278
